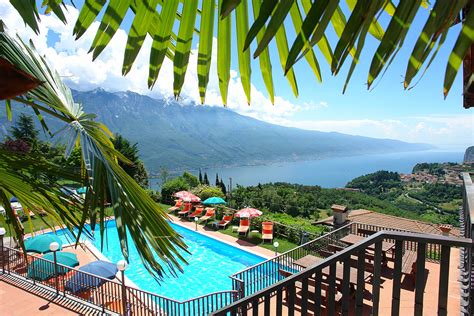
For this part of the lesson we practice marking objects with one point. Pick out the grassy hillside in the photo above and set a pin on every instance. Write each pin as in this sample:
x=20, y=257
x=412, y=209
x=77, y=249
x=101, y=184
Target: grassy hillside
x=314, y=202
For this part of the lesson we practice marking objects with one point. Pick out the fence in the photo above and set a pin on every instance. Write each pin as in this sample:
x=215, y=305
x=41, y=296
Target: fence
x=302, y=291
x=264, y=274
x=108, y=295
x=433, y=251
x=467, y=260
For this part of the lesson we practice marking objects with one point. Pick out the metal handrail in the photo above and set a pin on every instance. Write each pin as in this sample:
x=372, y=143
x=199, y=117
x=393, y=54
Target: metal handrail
x=265, y=273
x=292, y=250
x=138, y=293
x=345, y=254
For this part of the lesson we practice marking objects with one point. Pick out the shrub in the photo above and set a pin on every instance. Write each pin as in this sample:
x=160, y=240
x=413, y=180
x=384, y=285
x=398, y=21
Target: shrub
x=190, y=179
x=173, y=186
x=206, y=191
x=155, y=195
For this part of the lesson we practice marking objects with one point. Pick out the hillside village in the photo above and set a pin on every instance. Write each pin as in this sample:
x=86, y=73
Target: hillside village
x=437, y=173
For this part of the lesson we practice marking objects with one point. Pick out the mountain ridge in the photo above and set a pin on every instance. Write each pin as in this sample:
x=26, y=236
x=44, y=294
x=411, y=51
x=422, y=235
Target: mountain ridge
x=190, y=136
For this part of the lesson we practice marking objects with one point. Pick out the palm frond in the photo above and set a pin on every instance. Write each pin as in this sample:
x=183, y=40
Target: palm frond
x=135, y=212
x=313, y=22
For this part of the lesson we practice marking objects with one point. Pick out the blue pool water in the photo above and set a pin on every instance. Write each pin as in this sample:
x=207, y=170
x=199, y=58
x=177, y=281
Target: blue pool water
x=210, y=264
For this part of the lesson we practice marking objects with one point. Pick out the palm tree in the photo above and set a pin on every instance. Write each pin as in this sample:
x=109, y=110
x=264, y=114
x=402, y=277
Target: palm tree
x=137, y=216
x=311, y=20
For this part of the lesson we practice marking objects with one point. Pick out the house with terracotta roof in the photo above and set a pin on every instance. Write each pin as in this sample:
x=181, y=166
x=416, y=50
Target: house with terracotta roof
x=380, y=220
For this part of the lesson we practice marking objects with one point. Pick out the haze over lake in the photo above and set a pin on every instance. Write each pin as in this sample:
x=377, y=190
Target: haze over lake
x=328, y=173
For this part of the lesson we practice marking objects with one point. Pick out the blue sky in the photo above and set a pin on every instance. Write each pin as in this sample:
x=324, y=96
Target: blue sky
x=388, y=111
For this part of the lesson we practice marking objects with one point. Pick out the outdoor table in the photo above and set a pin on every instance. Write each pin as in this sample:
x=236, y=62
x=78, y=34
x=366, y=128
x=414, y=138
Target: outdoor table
x=310, y=260
x=215, y=225
x=352, y=239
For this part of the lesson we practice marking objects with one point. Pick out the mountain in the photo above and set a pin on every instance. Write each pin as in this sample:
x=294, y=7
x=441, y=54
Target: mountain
x=180, y=136
x=469, y=155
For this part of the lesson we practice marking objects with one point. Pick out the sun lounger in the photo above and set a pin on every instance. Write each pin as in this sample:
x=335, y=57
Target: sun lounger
x=210, y=212
x=187, y=208
x=177, y=206
x=267, y=231
x=225, y=221
x=244, y=226
x=196, y=213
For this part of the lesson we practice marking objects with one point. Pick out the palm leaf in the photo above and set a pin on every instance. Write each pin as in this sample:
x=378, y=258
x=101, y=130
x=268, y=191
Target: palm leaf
x=138, y=30
x=394, y=36
x=135, y=212
x=89, y=11
x=461, y=47
x=242, y=23
x=223, y=53
x=205, y=46
x=311, y=30
x=161, y=40
x=441, y=17
x=183, y=45
x=264, y=59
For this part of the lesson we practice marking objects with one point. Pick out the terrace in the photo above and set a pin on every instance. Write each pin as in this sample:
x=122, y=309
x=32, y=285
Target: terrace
x=354, y=269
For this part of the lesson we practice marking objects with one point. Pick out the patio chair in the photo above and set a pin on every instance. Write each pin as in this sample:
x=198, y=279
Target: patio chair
x=210, y=212
x=177, y=206
x=267, y=231
x=197, y=212
x=225, y=221
x=187, y=208
x=244, y=226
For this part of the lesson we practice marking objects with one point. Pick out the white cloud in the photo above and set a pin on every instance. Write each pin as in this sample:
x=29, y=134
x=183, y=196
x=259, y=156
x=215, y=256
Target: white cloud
x=72, y=61
x=453, y=130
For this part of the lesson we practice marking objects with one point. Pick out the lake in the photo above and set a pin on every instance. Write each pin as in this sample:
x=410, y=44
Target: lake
x=328, y=173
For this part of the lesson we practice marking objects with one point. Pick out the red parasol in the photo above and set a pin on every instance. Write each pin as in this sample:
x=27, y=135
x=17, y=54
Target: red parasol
x=187, y=196
x=248, y=212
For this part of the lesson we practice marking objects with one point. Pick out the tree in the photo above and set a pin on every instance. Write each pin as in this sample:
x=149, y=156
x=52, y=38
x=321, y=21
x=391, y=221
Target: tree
x=314, y=22
x=172, y=186
x=206, y=180
x=134, y=167
x=164, y=175
x=223, y=188
x=190, y=179
x=200, y=176
x=217, y=180
x=25, y=130
x=99, y=170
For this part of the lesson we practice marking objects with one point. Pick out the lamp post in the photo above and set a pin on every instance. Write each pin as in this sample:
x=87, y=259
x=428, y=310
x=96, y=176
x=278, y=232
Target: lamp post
x=276, y=244
x=196, y=221
x=2, y=233
x=54, y=246
x=122, y=266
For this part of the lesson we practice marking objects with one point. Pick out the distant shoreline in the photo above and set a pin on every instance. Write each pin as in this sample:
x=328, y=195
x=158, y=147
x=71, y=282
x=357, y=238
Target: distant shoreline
x=328, y=173
x=155, y=174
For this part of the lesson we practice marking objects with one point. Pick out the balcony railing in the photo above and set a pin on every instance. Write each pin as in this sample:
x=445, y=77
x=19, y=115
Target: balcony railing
x=303, y=289
x=264, y=274
x=107, y=295
x=467, y=260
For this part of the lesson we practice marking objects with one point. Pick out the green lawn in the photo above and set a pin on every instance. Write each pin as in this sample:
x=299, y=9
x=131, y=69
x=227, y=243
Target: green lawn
x=37, y=223
x=452, y=206
x=255, y=239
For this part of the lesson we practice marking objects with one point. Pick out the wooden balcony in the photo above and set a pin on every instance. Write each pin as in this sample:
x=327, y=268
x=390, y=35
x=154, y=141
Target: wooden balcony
x=321, y=290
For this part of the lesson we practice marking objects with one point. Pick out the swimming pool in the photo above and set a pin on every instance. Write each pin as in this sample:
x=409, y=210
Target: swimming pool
x=210, y=263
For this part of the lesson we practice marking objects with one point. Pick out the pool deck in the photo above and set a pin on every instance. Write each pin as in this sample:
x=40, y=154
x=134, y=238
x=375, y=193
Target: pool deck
x=22, y=298
x=233, y=241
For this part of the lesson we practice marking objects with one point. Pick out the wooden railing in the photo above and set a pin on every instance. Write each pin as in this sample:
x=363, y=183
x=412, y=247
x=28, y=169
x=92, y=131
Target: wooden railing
x=264, y=274
x=432, y=250
x=283, y=294
x=467, y=260
x=110, y=295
